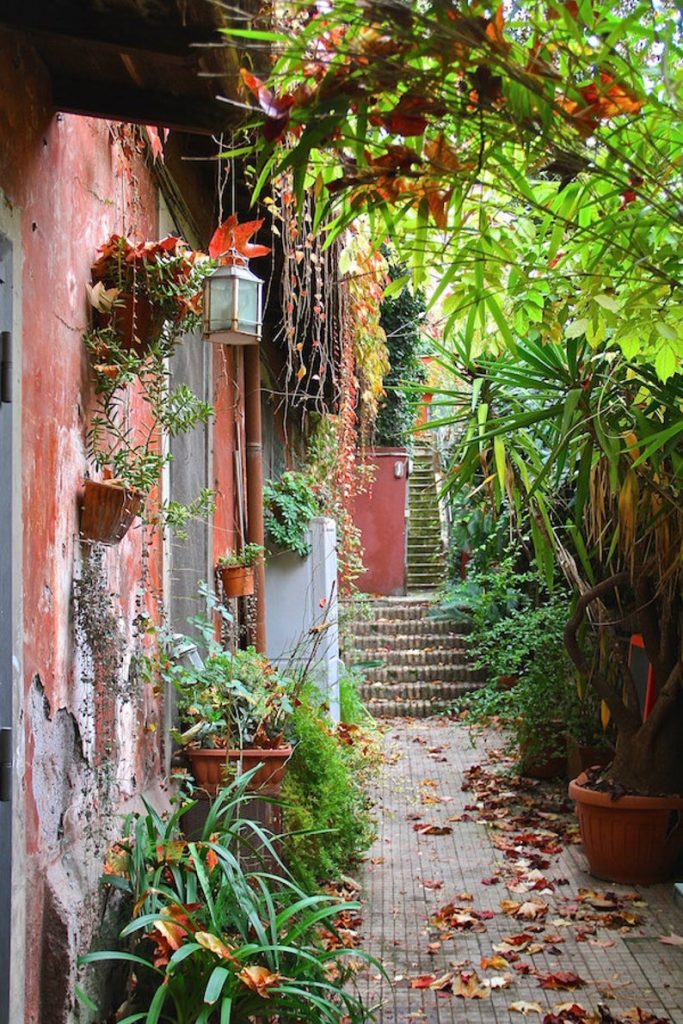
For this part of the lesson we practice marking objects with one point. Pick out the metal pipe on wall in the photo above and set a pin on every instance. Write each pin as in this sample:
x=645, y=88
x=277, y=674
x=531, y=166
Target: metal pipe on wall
x=254, y=445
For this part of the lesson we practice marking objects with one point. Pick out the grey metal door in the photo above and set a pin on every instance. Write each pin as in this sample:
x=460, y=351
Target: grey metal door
x=5, y=619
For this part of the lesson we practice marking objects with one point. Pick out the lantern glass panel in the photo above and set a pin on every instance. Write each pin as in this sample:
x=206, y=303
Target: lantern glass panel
x=221, y=303
x=248, y=306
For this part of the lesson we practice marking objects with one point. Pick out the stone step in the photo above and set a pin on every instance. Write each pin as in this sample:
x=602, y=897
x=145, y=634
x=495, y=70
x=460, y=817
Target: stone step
x=399, y=677
x=405, y=708
x=446, y=693
x=409, y=644
x=418, y=628
x=427, y=659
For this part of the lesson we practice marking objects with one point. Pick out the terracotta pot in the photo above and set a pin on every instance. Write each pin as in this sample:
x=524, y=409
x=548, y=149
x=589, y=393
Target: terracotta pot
x=208, y=767
x=637, y=840
x=237, y=580
x=107, y=511
x=581, y=756
x=136, y=321
x=268, y=778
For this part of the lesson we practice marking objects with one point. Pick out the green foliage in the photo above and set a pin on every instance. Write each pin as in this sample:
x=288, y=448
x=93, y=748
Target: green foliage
x=490, y=594
x=352, y=711
x=209, y=940
x=400, y=318
x=527, y=166
x=234, y=698
x=530, y=685
x=289, y=505
x=326, y=810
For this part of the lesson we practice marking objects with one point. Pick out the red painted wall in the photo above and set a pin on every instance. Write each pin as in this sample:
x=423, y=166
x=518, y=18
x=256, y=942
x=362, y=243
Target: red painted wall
x=92, y=731
x=380, y=515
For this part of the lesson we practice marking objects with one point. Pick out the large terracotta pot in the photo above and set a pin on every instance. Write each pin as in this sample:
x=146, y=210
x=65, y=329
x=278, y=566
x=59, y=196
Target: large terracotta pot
x=107, y=511
x=268, y=779
x=208, y=767
x=237, y=580
x=637, y=840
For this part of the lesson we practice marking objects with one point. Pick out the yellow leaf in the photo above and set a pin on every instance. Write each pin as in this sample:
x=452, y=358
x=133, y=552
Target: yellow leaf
x=301, y=373
x=214, y=945
x=605, y=715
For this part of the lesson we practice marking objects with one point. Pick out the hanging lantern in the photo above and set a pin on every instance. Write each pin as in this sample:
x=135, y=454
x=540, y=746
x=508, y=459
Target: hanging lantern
x=232, y=304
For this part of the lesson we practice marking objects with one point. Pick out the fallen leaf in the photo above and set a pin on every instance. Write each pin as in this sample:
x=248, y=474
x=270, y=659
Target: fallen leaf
x=526, y=1008
x=562, y=981
x=432, y=830
x=467, y=985
x=671, y=940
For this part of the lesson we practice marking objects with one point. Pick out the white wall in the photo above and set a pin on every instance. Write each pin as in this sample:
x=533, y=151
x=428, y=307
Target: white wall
x=301, y=596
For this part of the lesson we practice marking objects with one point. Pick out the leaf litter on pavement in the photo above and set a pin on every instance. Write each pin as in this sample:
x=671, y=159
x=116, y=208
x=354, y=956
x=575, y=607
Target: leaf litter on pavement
x=530, y=824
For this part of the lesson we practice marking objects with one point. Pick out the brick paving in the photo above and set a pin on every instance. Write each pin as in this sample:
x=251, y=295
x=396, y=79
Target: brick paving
x=637, y=970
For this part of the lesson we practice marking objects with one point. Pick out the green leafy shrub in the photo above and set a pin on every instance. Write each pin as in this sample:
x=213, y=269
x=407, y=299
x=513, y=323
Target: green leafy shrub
x=324, y=797
x=352, y=710
x=531, y=686
x=289, y=505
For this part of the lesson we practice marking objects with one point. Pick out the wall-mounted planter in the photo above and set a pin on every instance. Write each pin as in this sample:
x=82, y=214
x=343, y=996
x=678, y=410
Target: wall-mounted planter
x=273, y=763
x=236, y=580
x=136, y=322
x=107, y=511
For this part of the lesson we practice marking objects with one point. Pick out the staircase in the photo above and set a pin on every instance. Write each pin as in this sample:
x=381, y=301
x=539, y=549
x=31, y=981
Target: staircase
x=426, y=563
x=424, y=662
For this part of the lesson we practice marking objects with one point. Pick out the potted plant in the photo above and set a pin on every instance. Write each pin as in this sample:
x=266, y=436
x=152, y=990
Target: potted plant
x=236, y=570
x=148, y=292
x=289, y=505
x=235, y=708
x=145, y=296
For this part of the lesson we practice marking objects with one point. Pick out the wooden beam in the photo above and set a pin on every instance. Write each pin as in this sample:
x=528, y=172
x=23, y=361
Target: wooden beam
x=202, y=114
x=79, y=23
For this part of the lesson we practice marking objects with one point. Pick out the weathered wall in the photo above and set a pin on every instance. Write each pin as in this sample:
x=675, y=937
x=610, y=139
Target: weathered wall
x=92, y=745
x=380, y=515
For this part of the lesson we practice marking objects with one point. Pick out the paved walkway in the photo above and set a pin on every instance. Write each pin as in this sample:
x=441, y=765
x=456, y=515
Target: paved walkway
x=527, y=853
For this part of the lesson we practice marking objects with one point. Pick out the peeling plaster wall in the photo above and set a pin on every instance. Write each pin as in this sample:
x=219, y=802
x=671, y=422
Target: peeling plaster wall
x=91, y=742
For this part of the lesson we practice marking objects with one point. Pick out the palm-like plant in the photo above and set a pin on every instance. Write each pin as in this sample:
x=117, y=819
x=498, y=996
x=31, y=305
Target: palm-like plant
x=585, y=447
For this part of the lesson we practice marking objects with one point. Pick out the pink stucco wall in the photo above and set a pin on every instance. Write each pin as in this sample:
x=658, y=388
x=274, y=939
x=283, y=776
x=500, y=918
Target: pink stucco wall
x=380, y=515
x=92, y=733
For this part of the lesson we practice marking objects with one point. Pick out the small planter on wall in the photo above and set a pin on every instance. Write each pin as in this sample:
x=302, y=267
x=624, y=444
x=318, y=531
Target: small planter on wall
x=636, y=840
x=107, y=511
x=236, y=580
x=136, y=321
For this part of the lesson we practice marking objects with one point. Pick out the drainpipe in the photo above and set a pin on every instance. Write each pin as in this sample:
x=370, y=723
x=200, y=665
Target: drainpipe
x=254, y=445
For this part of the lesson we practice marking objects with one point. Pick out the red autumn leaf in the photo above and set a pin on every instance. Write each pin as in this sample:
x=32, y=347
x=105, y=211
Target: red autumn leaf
x=231, y=235
x=156, y=137
x=432, y=830
x=274, y=107
x=562, y=981
x=423, y=981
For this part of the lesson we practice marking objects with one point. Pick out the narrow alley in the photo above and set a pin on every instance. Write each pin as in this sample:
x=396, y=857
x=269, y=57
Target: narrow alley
x=478, y=903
